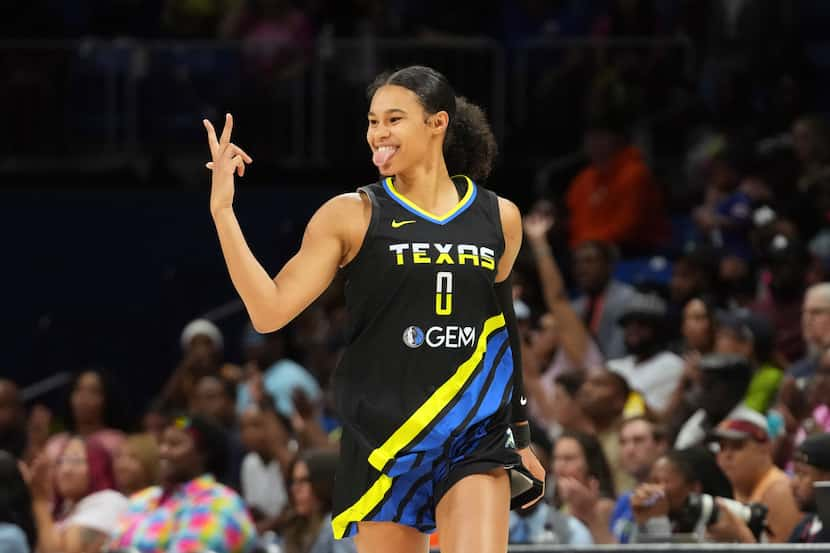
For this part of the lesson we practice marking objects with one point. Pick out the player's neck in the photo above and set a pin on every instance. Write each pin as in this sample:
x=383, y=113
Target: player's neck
x=429, y=185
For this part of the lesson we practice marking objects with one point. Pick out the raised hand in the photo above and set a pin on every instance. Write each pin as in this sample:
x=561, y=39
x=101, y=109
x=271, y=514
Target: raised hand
x=226, y=158
x=537, y=226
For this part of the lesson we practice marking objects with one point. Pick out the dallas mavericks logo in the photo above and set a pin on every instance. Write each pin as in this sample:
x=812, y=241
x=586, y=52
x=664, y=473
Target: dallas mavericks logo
x=413, y=337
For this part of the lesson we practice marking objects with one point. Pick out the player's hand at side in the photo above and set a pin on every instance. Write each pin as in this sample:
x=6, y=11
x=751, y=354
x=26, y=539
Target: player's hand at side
x=226, y=158
x=533, y=465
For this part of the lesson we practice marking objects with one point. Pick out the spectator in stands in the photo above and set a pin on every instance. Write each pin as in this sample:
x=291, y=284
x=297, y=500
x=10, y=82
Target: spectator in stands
x=744, y=333
x=642, y=442
x=781, y=301
x=93, y=412
x=815, y=327
x=615, y=198
x=12, y=419
x=812, y=464
x=649, y=368
x=280, y=377
x=724, y=380
x=266, y=437
x=190, y=511
x=658, y=506
x=745, y=456
x=602, y=398
x=584, y=484
x=81, y=511
x=603, y=299
x=312, y=484
x=136, y=464
x=18, y=533
x=155, y=419
x=694, y=275
x=214, y=398
x=811, y=143
x=202, y=344
x=560, y=410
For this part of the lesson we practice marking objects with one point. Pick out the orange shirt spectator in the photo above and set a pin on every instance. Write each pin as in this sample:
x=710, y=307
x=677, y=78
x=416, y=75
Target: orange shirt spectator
x=616, y=200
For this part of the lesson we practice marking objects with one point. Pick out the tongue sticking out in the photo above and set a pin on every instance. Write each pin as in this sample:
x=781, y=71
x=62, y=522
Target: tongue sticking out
x=380, y=157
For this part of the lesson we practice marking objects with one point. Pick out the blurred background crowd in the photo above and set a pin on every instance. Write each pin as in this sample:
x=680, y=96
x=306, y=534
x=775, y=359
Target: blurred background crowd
x=672, y=159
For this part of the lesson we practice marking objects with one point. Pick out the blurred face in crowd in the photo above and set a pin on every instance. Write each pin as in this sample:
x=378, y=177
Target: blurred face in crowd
x=11, y=409
x=729, y=341
x=252, y=428
x=697, y=326
x=73, y=479
x=806, y=141
x=591, y=269
x=211, y=400
x=88, y=399
x=739, y=459
x=130, y=475
x=179, y=458
x=677, y=489
x=602, y=396
x=305, y=502
x=202, y=354
x=566, y=409
x=639, y=336
x=545, y=339
x=804, y=476
x=397, y=119
x=685, y=281
x=569, y=460
x=815, y=318
x=638, y=448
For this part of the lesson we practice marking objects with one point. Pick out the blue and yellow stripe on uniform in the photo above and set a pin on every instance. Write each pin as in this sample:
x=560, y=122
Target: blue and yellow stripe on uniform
x=465, y=202
x=431, y=413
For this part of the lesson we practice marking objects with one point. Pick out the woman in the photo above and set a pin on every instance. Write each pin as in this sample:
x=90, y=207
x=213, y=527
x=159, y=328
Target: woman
x=659, y=505
x=190, y=511
x=84, y=508
x=92, y=412
x=312, y=484
x=17, y=523
x=137, y=464
x=433, y=409
x=584, y=485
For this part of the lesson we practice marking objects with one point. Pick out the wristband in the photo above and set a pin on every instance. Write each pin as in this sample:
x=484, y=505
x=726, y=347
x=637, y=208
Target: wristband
x=521, y=435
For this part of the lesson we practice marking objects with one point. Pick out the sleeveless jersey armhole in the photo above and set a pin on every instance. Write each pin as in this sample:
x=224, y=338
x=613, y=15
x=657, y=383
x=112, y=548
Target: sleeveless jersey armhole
x=365, y=190
x=494, y=200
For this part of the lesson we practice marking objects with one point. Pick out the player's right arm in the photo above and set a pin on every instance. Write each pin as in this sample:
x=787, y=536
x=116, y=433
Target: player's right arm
x=328, y=243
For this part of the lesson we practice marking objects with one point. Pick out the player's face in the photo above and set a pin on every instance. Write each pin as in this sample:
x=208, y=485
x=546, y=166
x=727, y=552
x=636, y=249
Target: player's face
x=398, y=132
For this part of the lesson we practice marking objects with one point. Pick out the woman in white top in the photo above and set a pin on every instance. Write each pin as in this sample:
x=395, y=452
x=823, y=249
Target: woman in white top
x=78, y=513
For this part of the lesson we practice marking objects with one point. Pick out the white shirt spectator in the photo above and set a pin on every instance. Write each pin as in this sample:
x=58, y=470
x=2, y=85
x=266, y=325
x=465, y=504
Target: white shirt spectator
x=655, y=379
x=99, y=511
x=263, y=486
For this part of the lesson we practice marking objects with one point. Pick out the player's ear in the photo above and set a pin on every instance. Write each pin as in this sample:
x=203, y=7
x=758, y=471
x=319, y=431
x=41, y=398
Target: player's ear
x=438, y=122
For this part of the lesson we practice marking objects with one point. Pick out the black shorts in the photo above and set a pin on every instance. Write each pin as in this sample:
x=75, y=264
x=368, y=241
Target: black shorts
x=411, y=496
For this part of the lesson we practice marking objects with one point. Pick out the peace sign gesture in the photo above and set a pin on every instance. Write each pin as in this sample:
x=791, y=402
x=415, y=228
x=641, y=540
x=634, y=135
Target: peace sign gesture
x=227, y=158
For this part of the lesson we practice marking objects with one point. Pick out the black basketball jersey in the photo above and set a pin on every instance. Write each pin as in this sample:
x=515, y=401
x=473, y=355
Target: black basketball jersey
x=427, y=354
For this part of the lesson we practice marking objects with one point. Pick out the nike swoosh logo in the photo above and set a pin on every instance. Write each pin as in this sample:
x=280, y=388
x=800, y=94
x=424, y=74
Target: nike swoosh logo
x=399, y=224
x=523, y=400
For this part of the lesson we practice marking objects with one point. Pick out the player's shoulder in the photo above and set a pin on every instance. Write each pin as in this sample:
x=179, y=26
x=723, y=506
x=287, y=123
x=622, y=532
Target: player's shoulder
x=344, y=208
x=509, y=213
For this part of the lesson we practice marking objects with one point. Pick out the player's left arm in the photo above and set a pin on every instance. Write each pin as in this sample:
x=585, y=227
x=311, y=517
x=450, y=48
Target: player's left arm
x=511, y=224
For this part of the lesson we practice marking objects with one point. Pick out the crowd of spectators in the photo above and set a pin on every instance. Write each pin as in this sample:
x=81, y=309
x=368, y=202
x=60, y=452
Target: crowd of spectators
x=676, y=340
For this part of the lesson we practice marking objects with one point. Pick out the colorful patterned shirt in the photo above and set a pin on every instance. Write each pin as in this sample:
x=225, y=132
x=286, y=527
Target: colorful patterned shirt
x=198, y=516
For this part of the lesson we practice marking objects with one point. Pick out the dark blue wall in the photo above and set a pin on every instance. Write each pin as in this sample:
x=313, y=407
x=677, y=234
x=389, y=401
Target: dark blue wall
x=111, y=277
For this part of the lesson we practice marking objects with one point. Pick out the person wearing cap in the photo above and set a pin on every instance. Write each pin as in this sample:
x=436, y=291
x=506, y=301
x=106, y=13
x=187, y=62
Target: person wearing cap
x=742, y=332
x=812, y=464
x=745, y=456
x=649, y=368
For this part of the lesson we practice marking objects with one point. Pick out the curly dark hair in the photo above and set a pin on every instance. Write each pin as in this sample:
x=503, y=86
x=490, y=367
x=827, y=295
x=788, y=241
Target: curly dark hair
x=469, y=145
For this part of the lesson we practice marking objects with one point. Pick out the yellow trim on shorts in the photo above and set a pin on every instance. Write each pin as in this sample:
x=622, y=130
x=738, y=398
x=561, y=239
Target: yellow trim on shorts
x=411, y=428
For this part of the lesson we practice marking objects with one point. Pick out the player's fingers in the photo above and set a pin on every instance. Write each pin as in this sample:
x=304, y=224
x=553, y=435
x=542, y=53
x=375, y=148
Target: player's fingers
x=213, y=143
x=225, y=139
x=239, y=151
x=238, y=164
x=209, y=165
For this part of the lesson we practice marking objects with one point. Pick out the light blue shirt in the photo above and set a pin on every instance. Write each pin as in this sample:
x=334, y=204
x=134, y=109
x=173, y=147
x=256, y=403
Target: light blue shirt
x=539, y=527
x=12, y=539
x=281, y=379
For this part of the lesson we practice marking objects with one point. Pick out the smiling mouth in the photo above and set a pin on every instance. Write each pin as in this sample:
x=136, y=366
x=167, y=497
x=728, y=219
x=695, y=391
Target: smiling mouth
x=383, y=154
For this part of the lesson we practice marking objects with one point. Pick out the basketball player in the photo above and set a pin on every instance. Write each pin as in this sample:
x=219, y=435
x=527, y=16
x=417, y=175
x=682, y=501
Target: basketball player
x=429, y=389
